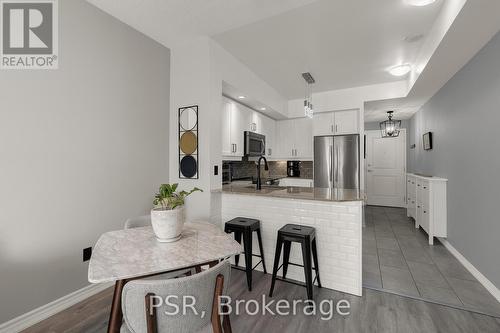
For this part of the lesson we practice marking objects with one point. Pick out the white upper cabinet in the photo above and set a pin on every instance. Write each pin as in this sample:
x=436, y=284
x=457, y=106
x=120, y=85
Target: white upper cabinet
x=303, y=138
x=323, y=124
x=295, y=139
x=227, y=144
x=336, y=123
x=256, y=122
x=235, y=120
x=346, y=122
x=269, y=130
x=285, y=132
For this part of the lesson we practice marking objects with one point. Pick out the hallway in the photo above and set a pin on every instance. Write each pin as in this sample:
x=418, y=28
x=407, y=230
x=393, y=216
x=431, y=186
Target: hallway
x=397, y=258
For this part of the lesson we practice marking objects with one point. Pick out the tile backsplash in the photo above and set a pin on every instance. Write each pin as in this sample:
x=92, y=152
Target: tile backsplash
x=243, y=169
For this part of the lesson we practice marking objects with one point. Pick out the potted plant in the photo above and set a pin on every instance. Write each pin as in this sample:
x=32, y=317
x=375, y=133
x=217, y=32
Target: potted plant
x=167, y=217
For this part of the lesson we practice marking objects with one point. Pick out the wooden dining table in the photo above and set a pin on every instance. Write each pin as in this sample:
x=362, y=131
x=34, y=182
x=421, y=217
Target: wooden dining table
x=124, y=255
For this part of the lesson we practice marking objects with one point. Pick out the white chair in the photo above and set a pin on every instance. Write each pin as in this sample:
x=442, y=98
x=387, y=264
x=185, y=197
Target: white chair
x=206, y=288
x=137, y=222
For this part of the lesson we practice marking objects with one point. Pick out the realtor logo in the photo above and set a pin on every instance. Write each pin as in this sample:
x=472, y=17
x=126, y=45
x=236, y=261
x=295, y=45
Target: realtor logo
x=29, y=38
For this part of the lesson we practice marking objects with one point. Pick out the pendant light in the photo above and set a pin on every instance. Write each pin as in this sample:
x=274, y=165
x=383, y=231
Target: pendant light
x=308, y=105
x=390, y=128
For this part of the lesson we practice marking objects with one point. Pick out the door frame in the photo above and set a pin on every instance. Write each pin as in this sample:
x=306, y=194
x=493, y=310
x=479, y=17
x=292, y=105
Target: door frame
x=405, y=158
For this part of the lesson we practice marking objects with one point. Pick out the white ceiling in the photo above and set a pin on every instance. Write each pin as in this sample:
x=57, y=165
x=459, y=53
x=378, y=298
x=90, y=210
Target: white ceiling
x=377, y=111
x=234, y=93
x=169, y=20
x=343, y=43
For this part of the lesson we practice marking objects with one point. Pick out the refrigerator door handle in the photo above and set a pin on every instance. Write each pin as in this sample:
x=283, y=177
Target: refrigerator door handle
x=330, y=167
x=336, y=166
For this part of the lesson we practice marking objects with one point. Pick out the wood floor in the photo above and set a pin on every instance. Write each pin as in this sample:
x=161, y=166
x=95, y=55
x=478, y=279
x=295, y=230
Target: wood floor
x=374, y=312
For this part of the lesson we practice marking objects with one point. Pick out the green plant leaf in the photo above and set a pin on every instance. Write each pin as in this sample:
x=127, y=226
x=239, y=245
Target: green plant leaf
x=168, y=198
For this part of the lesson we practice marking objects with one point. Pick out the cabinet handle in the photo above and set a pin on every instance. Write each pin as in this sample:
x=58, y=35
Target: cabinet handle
x=336, y=128
x=425, y=212
x=425, y=187
x=269, y=151
x=235, y=147
x=331, y=128
x=418, y=185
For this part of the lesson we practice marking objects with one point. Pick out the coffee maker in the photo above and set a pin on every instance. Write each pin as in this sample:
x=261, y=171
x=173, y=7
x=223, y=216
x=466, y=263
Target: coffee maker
x=293, y=168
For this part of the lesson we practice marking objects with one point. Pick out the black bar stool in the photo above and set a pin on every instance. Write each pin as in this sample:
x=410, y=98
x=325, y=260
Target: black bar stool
x=306, y=236
x=246, y=226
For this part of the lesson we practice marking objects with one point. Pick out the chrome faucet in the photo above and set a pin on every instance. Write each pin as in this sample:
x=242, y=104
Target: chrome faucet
x=266, y=167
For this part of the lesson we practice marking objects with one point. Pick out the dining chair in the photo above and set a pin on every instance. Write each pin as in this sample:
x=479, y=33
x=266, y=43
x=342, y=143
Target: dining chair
x=137, y=222
x=139, y=296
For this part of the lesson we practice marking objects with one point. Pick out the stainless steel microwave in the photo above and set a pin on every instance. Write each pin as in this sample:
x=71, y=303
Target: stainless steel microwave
x=255, y=144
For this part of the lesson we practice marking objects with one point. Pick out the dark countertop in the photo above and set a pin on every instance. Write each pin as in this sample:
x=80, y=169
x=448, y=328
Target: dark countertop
x=293, y=192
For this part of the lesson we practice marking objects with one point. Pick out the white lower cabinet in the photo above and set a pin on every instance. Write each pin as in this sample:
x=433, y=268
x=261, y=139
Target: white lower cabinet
x=426, y=203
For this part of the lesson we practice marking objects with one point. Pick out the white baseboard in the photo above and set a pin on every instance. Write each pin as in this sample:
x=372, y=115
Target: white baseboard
x=45, y=311
x=473, y=270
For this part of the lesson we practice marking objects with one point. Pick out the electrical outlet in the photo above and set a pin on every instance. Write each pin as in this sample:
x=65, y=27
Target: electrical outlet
x=216, y=170
x=87, y=253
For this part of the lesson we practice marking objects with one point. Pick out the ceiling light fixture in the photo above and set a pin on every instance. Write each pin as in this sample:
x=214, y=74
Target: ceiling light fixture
x=308, y=105
x=420, y=3
x=241, y=97
x=400, y=70
x=390, y=128
x=263, y=109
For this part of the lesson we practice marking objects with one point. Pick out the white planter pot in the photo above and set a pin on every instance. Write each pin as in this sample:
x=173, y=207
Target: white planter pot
x=168, y=224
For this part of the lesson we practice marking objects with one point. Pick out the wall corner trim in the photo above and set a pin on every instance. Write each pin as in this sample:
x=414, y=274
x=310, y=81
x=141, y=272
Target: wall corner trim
x=493, y=290
x=45, y=311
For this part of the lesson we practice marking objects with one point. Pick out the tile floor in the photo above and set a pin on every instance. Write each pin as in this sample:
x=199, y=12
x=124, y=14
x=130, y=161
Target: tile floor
x=398, y=258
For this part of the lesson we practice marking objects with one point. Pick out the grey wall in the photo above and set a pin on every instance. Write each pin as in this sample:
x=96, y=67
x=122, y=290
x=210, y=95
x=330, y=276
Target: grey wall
x=464, y=117
x=81, y=149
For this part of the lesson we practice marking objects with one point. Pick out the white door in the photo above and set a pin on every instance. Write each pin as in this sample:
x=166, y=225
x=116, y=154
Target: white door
x=385, y=169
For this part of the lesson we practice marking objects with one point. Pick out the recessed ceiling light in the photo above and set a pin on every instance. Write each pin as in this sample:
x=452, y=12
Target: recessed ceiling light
x=262, y=109
x=420, y=3
x=241, y=97
x=400, y=70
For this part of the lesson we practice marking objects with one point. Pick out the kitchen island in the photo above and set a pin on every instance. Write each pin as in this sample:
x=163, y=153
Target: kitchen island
x=336, y=214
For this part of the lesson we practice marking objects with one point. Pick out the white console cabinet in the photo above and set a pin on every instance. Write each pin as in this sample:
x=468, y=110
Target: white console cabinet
x=426, y=203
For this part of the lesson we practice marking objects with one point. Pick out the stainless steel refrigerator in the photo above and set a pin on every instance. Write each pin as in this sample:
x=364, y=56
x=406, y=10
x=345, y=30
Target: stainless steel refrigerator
x=336, y=161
